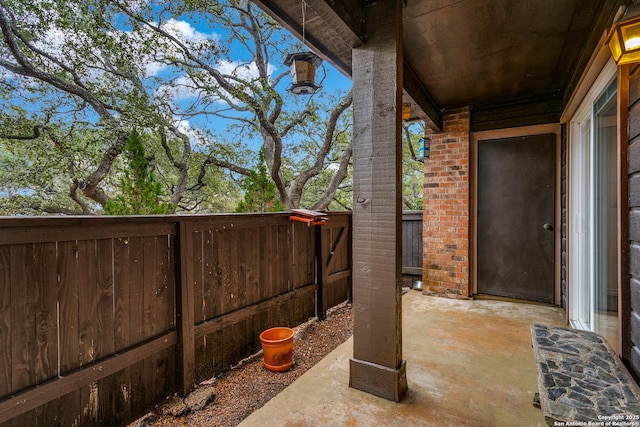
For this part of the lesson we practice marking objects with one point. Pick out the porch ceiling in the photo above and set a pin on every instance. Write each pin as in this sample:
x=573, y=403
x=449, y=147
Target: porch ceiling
x=507, y=60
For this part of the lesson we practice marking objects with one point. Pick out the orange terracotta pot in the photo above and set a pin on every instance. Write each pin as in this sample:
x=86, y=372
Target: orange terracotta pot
x=277, y=347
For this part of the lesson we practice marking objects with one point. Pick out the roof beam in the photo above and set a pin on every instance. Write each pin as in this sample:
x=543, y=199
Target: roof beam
x=350, y=14
x=340, y=28
x=419, y=93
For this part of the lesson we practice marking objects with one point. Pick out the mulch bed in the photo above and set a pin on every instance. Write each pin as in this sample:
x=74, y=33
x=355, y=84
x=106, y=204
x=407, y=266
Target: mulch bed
x=249, y=386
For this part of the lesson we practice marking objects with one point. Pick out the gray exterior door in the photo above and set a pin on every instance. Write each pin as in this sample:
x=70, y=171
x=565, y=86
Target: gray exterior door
x=516, y=211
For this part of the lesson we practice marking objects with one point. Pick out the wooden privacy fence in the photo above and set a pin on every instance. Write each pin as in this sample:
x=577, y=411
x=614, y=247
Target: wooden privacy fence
x=102, y=317
x=412, y=243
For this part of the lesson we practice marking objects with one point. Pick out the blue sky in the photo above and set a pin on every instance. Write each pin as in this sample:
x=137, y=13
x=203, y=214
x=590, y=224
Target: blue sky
x=333, y=82
x=193, y=27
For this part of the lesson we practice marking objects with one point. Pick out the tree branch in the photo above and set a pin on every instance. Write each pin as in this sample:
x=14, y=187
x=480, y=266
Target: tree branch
x=26, y=68
x=407, y=139
x=37, y=131
x=73, y=193
x=295, y=191
x=337, y=178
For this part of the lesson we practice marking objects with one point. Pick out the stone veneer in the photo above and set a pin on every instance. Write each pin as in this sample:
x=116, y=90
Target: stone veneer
x=446, y=209
x=581, y=380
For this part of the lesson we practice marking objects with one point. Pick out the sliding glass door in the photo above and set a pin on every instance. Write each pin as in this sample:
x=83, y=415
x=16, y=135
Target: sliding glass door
x=605, y=215
x=593, y=210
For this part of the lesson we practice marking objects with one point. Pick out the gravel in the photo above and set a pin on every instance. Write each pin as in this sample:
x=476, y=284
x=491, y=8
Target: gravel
x=249, y=385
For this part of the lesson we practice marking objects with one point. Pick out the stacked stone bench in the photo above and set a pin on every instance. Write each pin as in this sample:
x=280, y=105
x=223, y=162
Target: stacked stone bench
x=581, y=380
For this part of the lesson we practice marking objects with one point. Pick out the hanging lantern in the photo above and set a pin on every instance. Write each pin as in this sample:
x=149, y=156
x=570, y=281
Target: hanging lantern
x=424, y=148
x=624, y=36
x=303, y=72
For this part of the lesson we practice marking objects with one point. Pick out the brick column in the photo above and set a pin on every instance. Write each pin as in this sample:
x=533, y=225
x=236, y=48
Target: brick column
x=446, y=209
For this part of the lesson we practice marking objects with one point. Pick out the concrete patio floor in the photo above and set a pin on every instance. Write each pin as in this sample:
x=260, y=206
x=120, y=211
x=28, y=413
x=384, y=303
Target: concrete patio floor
x=469, y=363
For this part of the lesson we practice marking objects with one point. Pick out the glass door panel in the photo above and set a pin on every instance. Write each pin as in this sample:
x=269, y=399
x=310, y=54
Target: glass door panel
x=604, y=225
x=580, y=305
x=593, y=207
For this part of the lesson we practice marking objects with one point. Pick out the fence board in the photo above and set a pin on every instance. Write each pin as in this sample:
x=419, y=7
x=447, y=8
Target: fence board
x=123, y=400
x=235, y=285
x=106, y=401
x=149, y=286
x=23, y=316
x=151, y=325
x=207, y=274
x=266, y=285
x=68, y=296
x=135, y=380
x=5, y=320
x=217, y=284
x=164, y=374
x=197, y=240
x=44, y=282
x=253, y=279
x=138, y=385
x=284, y=257
x=70, y=414
x=104, y=298
x=121, y=289
x=49, y=413
x=163, y=301
x=136, y=288
x=89, y=404
x=225, y=276
x=242, y=236
x=88, y=303
x=148, y=382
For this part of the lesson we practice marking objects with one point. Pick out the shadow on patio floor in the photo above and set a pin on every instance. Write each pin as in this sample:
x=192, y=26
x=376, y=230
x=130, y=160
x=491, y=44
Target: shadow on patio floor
x=469, y=363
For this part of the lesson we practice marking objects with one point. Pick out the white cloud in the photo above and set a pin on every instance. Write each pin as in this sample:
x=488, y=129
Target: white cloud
x=183, y=126
x=184, y=31
x=6, y=75
x=182, y=88
x=153, y=68
x=194, y=135
x=242, y=70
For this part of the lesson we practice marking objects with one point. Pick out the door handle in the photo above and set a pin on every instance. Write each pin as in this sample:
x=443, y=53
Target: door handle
x=548, y=227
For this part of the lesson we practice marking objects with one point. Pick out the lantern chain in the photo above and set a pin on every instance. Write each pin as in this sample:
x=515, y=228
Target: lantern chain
x=304, y=10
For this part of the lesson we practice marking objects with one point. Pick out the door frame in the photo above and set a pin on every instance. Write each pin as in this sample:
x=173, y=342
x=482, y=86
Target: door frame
x=553, y=128
x=602, y=80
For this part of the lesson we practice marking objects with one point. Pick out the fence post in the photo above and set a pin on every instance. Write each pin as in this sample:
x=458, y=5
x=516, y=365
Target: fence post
x=186, y=362
x=321, y=306
x=350, y=258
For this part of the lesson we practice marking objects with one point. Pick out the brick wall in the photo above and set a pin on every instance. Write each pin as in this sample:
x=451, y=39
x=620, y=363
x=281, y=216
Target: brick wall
x=446, y=209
